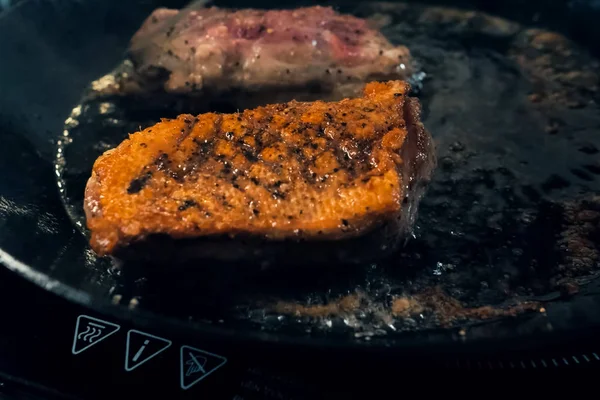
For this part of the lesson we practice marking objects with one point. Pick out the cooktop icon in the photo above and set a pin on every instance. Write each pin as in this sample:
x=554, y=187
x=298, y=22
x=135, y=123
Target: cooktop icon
x=196, y=365
x=90, y=331
x=142, y=347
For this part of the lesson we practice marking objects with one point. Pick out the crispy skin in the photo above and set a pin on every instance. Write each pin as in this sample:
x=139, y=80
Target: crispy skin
x=310, y=172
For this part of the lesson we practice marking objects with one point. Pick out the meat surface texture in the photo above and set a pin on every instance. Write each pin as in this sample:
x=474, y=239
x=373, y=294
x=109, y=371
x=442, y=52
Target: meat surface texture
x=310, y=181
x=312, y=53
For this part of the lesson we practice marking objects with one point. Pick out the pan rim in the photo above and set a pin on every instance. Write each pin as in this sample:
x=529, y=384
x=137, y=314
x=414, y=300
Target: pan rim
x=447, y=341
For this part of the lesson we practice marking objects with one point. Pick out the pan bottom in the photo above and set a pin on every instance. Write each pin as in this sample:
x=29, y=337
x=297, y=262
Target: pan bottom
x=508, y=224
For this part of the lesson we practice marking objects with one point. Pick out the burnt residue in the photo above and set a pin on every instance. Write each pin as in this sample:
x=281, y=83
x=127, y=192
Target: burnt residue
x=434, y=301
x=201, y=154
x=187, y=204
x=250, y=154
x=162, y=162
x=189, y=127
x=137, y=184
x=579, y=240
x=346, y=305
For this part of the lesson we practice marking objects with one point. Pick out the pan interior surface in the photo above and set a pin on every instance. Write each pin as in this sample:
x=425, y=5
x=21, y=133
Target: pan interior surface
x=507, y=232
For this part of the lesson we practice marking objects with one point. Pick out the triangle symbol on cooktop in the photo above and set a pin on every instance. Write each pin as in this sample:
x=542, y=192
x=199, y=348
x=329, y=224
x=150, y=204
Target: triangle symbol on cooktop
x=196, y=364
x=90, y=331
x=142, y=347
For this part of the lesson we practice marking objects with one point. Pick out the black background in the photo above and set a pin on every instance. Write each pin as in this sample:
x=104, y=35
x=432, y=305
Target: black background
x=37, y=327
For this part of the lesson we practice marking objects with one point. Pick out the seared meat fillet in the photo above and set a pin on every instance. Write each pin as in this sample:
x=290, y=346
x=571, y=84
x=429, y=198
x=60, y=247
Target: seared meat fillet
x=302, y=54
x=342, y=177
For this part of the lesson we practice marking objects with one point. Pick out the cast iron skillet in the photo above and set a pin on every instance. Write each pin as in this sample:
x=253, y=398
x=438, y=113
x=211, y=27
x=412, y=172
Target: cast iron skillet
x=51, y=51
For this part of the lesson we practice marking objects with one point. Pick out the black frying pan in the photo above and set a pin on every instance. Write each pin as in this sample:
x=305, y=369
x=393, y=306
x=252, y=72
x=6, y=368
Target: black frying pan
x=518, y=146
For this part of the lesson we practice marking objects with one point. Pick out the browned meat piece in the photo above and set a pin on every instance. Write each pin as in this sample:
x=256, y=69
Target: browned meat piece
x=302, y=54
x=295, y=181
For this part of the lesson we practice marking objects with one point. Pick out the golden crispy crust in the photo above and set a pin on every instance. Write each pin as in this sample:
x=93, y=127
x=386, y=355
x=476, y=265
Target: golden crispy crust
x=311, y=171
